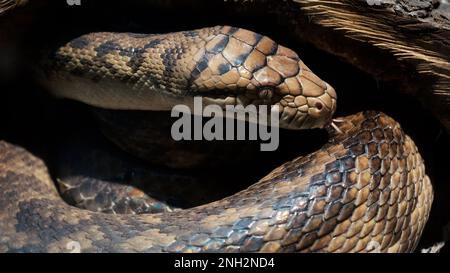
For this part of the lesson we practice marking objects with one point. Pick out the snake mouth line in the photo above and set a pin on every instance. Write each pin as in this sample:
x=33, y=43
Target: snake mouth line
x=239, y=97
x=290, y=115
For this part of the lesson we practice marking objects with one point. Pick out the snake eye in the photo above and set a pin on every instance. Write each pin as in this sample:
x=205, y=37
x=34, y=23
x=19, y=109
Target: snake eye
x=319, y=105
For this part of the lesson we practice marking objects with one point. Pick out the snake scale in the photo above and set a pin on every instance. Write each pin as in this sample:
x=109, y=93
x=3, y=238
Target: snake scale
x=365, y=190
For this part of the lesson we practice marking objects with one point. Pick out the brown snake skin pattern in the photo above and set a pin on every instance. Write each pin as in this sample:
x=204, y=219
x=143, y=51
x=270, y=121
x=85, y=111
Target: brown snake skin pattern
x=224, y=65
x=364, y=191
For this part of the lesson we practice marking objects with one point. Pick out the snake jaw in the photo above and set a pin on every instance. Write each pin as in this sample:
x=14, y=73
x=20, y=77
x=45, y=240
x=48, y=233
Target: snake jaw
x=306, y=101
x=307, y=112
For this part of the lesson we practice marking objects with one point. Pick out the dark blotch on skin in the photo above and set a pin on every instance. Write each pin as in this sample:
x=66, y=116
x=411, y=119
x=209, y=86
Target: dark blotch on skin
x=191, y=33
x=233, y=30
x=219, y=47
x=273, y=50
x=195, y=73
x=152, y=43
x=103, y=50
x=80, y=42
x=135, y=54
x=258, y=37
x=106, y=48
x=169, y=62
x=136, y=60
x=201, y=65
x=129, y=52
x=224, y=68
x=241, y=59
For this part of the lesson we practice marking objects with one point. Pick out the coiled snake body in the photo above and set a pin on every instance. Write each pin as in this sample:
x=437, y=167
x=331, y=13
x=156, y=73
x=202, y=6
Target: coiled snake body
x=366, y=190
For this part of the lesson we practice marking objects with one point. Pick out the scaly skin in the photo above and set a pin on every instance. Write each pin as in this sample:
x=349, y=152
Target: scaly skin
x=364, y=191
x=224, y=65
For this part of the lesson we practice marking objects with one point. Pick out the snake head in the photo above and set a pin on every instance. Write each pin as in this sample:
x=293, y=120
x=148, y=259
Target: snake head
x=303, y=99
x=255, y=70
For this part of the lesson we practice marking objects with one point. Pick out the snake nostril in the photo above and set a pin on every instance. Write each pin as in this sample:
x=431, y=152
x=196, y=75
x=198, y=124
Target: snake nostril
x=319, y=105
